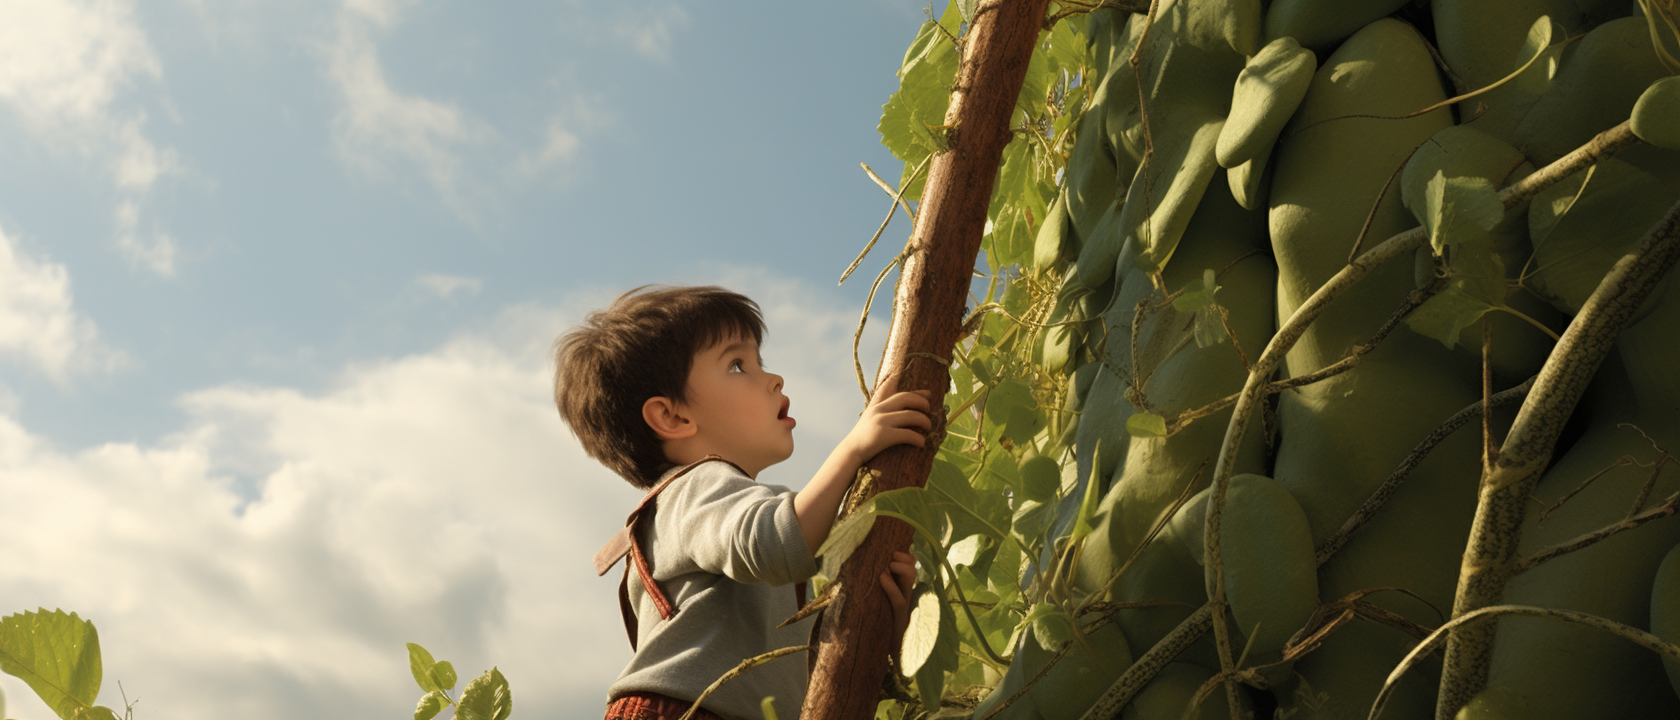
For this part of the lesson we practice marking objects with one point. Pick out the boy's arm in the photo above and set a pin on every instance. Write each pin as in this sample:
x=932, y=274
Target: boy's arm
x=892, y=418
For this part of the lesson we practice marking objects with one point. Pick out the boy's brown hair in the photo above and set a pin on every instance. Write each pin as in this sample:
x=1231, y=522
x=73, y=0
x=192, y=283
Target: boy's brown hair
x=642, y=346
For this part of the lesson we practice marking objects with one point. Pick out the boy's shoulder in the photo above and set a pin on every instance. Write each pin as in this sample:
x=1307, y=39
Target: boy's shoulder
x=707, y=470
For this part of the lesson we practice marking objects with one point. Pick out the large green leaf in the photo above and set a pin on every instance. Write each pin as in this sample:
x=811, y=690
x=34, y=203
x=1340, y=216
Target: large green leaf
x=924, y=94
x=1040, y=478
x=968, y=512
x=923, y=633
x=1012, y=412
x=930, y=677
x=57, y=655
x=487, y=697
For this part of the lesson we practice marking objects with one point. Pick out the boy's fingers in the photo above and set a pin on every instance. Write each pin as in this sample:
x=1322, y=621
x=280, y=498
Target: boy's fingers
x=909, y=400
x=887, y=386
x=894, y=595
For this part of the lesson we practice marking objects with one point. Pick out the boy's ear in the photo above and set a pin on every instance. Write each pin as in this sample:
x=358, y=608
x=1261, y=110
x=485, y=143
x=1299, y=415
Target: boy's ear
x=667, y=419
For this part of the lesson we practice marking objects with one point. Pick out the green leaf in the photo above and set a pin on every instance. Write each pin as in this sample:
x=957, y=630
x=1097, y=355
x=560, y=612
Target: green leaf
x=97, y=712
x=1146, y=425
x=1051, y=626
x=768, y=707
x=1004, y=572
x=57, y=655
x=1012, y=412
x=420, y=664
x=930, y=677
x=923, y=96
x=1040, y=478
x=1447, y=314
x=923, y=633
x=1476, y=285
x=1539, y=38
x=1538, y=78
x=1656, y=117
x=1460, y=210
x=911, y=502
x=999, y=472
x=430, y=705
x=487, y=697
x=1031, y=520
x=1066, y=46
x=443, y=674
x=1087, y=518
x=1198, y=296
x=965, y=551
x=843, y=539
x=1209, y=328
x=967, y=512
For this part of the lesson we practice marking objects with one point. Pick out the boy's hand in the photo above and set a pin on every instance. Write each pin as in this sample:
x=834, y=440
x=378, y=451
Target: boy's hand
x=903, y=569
x=892, y=418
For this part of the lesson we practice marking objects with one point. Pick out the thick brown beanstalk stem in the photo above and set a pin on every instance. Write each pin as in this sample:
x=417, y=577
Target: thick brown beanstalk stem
x=1490, y=557
x=856, y=637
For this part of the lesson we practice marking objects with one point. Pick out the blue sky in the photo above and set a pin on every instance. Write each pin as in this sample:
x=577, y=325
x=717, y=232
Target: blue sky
x=278, y=279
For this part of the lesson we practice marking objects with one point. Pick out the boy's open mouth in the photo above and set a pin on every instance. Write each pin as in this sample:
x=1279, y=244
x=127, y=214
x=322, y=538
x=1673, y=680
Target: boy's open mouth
x=782, y=413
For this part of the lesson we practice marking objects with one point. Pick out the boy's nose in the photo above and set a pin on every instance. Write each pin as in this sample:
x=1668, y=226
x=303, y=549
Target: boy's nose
x=775, y=382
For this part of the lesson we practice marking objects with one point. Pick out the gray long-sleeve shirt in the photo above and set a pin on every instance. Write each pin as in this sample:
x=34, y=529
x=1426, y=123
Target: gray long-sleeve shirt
x=724, y=549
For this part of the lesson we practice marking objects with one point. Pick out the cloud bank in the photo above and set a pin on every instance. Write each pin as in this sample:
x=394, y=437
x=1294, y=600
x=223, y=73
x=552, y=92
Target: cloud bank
x=270, y=558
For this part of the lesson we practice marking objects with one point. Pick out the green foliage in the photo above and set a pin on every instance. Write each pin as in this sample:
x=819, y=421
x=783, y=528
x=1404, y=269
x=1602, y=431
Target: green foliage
x=57, y=654
x=1656, y=117
x=486, y=697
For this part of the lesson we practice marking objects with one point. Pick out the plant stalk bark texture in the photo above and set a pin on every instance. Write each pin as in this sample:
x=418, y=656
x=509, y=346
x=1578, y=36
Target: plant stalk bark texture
x=855, y=639
x=1490, y=559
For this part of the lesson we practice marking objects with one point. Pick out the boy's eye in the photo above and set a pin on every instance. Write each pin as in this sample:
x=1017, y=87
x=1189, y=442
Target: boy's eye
x=735, y=366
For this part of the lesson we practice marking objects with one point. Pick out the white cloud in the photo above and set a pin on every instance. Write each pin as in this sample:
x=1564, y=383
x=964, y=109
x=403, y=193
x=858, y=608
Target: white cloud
x=270, y=559
x=62, y=62
x=38, y=324
x=649, y=30
x=65, y=66
x=564, y=134
x=382, y=131
x=445, y=286
x=157, y=253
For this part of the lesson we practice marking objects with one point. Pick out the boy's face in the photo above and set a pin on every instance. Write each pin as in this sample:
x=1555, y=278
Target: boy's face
x=738, y=407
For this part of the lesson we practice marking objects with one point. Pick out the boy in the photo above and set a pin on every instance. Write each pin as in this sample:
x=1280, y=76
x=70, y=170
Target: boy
x=666, y=387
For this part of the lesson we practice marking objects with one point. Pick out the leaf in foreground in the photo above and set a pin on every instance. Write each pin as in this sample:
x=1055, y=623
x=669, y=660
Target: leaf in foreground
x=57, y=654
x=487, y=697
x=923, y=634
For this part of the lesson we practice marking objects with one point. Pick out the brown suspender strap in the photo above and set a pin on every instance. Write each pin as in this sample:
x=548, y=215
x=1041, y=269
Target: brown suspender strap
x=627, y=542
